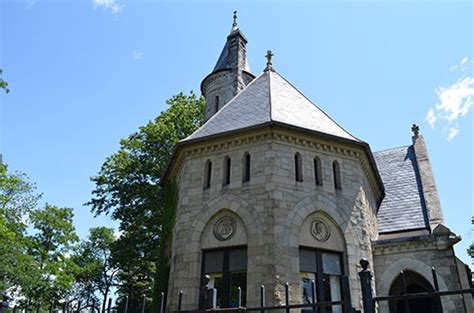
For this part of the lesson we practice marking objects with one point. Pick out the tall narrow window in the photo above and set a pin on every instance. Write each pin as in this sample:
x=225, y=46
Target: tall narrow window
x=298, y=168
x=227, y=269
x=216, y=103
x=318, y=174
x=208, y=174
x=246, y=176
x=227, y=169
x=336, y=172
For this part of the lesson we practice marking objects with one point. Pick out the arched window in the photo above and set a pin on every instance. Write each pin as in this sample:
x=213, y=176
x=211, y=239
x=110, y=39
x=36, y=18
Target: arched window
x=216, y=104
x=318, y=174
x=336, y=172
x=298, y=168
x=246, y=167
x=414, y=283
x=207, y=174
x=227, y=169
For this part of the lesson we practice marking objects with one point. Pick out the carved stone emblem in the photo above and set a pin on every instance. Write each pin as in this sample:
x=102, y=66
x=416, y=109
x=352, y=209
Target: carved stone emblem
x=224, y=228
x=320, y=230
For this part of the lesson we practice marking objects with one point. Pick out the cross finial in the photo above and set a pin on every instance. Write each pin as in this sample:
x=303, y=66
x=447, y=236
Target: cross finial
x=269, y=61
x=234, y=24
x=415, y=129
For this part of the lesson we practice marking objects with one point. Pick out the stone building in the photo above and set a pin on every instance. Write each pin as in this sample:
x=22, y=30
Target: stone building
x=272, y=190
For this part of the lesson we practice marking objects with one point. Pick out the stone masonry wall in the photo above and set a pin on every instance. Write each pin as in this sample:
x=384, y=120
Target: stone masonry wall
x=272, y=208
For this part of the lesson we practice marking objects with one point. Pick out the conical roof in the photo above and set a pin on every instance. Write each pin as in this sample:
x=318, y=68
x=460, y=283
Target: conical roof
x=270, y=98
x=224, y=62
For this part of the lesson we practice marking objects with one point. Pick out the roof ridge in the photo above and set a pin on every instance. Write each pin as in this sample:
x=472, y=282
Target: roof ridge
x=394, y=148
x=269, y=93
x=309, y=100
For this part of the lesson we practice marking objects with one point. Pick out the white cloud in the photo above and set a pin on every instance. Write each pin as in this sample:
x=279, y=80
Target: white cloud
x=109, y=5
x=431, y=117
x=452, y=132
x=137, y=55
x=462, y=66
x=454, y=102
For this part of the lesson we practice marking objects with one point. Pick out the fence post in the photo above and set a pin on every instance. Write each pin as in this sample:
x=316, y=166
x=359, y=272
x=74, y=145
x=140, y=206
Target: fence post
x=126, y=304
x=366, y=285
x=287, y=298
x=405, y=300
x=162, y=304
x=313, y=296
x=239, y=299
x=180, y=300
x=262, y=299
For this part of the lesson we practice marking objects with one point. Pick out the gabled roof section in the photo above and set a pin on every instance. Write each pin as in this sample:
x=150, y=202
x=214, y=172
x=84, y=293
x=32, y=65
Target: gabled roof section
x=403, y=208
x=270, y=98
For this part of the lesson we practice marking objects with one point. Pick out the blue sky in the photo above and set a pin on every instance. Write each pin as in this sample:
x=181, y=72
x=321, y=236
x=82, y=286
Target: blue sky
x=84, y=74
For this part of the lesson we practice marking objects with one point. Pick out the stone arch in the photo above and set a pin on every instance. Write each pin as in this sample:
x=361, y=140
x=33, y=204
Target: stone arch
x=307, y=206
x=237, y=237
x=391, y=273
x=234, y=204
x=332, y=240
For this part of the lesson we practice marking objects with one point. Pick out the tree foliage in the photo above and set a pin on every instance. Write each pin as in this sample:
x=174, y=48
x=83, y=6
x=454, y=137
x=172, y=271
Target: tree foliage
x=97, y=271
x=3, y=83
x=128, y=188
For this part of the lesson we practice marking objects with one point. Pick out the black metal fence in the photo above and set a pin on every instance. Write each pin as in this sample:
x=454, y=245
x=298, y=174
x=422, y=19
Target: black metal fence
x=208, y=299
x=370, y=302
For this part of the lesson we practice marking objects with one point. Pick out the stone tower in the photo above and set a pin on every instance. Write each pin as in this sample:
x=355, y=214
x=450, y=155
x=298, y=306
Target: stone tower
x=230, y=75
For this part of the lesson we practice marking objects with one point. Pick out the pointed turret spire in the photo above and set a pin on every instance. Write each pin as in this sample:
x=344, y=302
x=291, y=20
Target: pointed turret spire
x=234, y=24
x=231, y=73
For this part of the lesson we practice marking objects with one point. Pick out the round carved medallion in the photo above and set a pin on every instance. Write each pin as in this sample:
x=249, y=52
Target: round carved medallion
x=320, y=230
x=224, y=228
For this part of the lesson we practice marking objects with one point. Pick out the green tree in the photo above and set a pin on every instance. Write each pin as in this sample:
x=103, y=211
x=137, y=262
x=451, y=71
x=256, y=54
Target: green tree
x=128, y=188
x=18, y=198
x=97, y=270
x=50, y=246
x=3, y=83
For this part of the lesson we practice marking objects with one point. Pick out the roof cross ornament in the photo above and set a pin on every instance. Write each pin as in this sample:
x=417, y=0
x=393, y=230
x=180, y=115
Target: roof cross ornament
x=269, y=61
x=416, y=130
x=234, y=23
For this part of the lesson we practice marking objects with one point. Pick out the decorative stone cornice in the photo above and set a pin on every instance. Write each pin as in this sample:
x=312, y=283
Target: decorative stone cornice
x=414, y=244
x=276, y=134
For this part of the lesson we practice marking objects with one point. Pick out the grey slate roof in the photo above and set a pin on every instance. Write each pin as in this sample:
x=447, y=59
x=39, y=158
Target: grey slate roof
x=403, y=207
x=270, y=98
x=223, y=62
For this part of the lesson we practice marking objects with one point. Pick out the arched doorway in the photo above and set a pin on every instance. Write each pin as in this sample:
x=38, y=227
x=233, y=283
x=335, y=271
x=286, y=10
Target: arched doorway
x=415, y=284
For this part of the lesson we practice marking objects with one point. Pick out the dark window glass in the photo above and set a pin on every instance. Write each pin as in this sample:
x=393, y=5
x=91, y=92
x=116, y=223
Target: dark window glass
x=208, y=174
x=213, y=262
x=246, y=167
x=216, y=103
x=228, y=271
x=337, y=175
x=227, y=169
x=318, y=175
x=298, y=168
x=325, y=268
